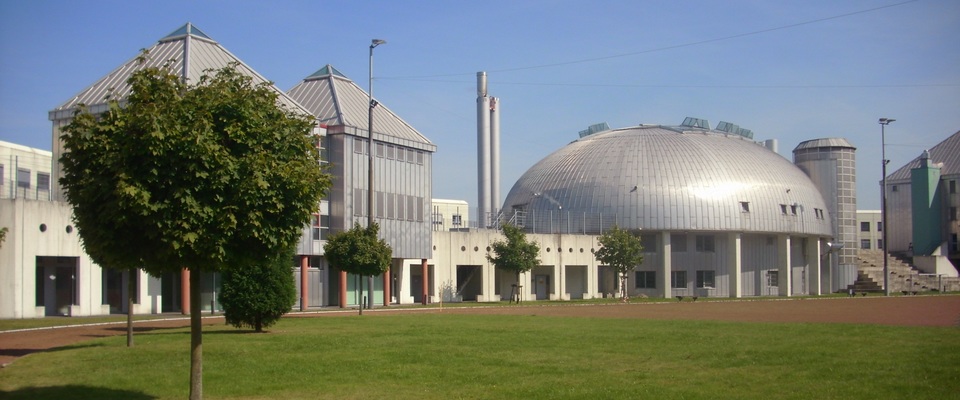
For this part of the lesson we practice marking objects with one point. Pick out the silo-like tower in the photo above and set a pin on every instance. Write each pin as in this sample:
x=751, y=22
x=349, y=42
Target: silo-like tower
x=831, y=163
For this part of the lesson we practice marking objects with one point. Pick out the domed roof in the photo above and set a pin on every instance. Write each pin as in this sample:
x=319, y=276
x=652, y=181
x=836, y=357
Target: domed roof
x=672, y=178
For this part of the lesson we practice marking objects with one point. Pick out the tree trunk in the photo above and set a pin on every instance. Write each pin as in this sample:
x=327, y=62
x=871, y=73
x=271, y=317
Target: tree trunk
x=131, y=289
x=519, y=288
x=196, y=339
x=361, y=296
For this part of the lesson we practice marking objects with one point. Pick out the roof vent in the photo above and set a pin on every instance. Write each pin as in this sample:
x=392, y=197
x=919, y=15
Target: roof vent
x=695, y=123
x=594, y=129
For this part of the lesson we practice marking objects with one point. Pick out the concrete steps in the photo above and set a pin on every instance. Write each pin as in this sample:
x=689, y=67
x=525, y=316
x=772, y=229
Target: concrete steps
x=904, y=278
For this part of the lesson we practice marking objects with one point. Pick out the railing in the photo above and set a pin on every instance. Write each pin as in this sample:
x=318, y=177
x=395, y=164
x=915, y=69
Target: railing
x=12, y=191
x=542, y=222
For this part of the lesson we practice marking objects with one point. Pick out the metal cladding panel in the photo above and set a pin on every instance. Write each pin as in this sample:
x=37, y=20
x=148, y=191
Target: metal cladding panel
x=336, y=100
x=946, y=152
x=661, y=178
x=204, y=55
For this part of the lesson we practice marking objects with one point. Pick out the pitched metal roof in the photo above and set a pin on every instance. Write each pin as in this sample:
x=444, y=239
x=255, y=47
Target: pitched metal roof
x=946, y=152
x=338, y=102
x=187, y=51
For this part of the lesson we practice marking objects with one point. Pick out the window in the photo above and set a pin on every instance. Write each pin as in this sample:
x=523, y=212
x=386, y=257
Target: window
x=678, y=243
x=457, y=220
x=880, y=244
x=400, y=154
x=3, y=178
x=705, y=243
x=23, y=178
x=705, y=279
x=315, y=224
x=865, y=244
x=783, y=209
x=793, y=209
x=864, y=227
x=43, y=181
x=391, y=152
x=646, y=280
x=953, y=186
x=773, y=278
x=893, y=188
x=649, y=242
x=879, y=226
x=678, y=279
x=358, y=145
x=380, y=150
x=411, y=156
x=953, y=213
x=745, y=206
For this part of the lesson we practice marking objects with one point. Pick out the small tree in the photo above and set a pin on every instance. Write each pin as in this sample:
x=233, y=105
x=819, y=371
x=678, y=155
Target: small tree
x=359, y=251
x=204, y=176
x=623, y=252
x=257, y=296
x=514, y=254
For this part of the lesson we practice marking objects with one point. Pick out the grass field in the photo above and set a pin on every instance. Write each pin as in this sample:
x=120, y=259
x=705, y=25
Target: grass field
x=463, y=356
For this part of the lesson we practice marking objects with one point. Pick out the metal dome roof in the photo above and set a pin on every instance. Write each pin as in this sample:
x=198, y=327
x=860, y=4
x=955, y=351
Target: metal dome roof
x=674, y=178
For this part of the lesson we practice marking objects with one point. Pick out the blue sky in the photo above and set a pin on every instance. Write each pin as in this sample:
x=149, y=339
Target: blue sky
x=788, y=70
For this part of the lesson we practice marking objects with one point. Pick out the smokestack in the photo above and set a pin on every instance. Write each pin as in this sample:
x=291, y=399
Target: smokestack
x=483, y=150
x=495, y=155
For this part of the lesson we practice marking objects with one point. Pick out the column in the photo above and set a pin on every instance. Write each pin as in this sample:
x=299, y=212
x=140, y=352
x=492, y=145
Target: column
x=343, y=289
x=426, y=281
x=665, y=265
x=813, y=266
x=304, y=284
x=784, y=281
x=386, y=285
x=734, y=263
x=185, y=291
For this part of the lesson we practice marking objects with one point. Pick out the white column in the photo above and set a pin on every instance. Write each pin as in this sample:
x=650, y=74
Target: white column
x=665, y=265
x=813, y=266
x=784, y=281
x=734, y=265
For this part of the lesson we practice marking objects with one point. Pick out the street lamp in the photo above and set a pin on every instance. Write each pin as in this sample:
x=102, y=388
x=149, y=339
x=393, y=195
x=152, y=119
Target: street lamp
x=883, y=202
x=373, y=104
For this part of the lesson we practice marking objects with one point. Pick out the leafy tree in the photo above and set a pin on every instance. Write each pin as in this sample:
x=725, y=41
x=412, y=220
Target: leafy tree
x=257, y=296
x=623, y=252
x=358, y=251
x=515, y=253
x=201, y=176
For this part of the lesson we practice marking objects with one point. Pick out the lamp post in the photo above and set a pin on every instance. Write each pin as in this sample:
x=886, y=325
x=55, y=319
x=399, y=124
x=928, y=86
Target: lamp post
x=373, y=104
x=883, y=202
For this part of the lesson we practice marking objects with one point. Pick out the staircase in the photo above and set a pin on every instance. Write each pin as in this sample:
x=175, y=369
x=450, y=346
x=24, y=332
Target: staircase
x=904, y=278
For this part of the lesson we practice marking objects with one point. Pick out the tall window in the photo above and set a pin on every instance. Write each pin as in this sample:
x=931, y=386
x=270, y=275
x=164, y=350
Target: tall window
x=864, y=227
x=23, y=178
x=43, y=181
x=879, y=226
x=880, y=244
x=705, y=279
x=646, y=279
x=678, y=279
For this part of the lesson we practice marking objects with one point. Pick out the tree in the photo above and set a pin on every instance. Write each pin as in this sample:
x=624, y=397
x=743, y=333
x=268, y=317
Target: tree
x=201, y=176
x=514, y=254
x=623, y=252
x=358, y=251
x=3, y=235
x=257, y=296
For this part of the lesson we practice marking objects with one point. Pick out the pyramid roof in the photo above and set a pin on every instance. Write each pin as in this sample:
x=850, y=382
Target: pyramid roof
x=342, y=105
x=187, y=51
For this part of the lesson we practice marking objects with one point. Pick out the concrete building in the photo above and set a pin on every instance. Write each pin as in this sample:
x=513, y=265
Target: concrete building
x=922, y=208
x=869, y=230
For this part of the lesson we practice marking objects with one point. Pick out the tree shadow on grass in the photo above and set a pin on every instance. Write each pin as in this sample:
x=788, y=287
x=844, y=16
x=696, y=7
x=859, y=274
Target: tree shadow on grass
x=73, y=392
x=17, y=353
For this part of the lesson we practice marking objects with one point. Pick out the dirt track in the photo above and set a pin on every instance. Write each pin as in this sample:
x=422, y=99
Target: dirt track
x=914, y=311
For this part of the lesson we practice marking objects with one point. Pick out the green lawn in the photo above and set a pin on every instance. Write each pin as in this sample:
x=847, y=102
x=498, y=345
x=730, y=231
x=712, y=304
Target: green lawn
x=448, y=356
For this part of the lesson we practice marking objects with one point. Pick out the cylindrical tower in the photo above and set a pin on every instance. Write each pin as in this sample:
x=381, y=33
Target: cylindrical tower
x=483, y=151
x=831, y=165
